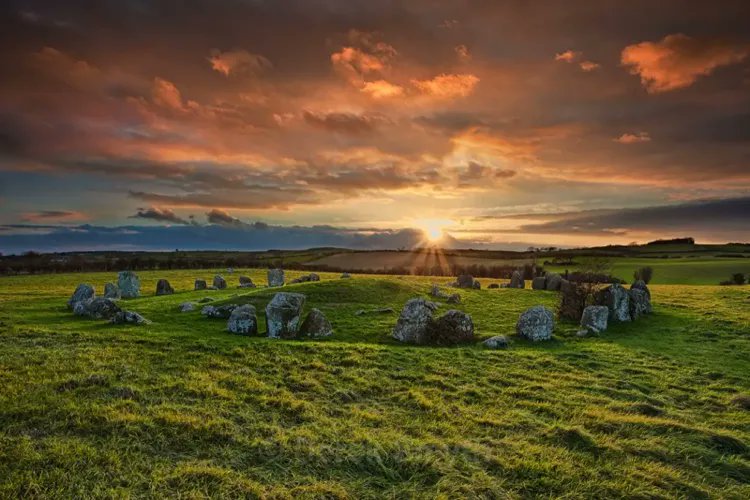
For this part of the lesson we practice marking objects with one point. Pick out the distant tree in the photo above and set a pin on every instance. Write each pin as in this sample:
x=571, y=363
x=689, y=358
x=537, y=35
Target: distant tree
x=644, y=273
x=738, y=279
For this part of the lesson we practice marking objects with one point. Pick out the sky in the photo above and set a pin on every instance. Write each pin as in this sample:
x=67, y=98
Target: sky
x=252, y=124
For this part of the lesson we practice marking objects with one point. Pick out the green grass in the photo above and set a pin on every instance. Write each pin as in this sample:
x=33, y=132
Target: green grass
x=181, y=408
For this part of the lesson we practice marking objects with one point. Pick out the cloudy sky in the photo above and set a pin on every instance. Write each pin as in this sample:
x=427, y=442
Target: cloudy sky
x=289, y=124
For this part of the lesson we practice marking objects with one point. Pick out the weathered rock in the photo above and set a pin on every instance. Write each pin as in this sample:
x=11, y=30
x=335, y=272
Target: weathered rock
x=454, y=299
x=539, y=283
x=316, y=325
x=305, y=278
x=246, y=282
x=243, y=320
x=129, y=284
x=594, y=319
x=96, y=308
x=476, y=285
x=200, y=284
x=314, y=277
x=415, y=322
x=553, y=281
x=164, y=288
x=345, y=275
x=111, y=291
x=536, y=324
x=516, y=280
x=436, y=292
x=275, y=277
x=221, y=312
x=493, y=285
x=641, y=285
x=187, y=307
x=283, y=315
x=616, y=298
x=497, y=342
x=639, y=303
x=572, y=300
x=219, y=282
x=123, y=317
x=465, y=281
x=453, y=327
x=83, y=292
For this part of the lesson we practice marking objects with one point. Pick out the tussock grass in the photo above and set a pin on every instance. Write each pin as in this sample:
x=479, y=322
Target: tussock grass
x=180, y=408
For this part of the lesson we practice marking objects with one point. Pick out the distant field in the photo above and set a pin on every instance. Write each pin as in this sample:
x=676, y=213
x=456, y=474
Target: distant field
x=376, y=261
x=182, y=409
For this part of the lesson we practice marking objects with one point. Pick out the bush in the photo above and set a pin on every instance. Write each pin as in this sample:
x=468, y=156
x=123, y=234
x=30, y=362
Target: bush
x=736, y=279
x=644, y=273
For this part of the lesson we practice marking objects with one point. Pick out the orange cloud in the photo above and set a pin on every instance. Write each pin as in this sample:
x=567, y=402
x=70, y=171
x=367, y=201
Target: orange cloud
x=447, y=85
x=463, y=53
x=382, y=89
x=678, y=60
x=628, y=138
x=165, y=94
x=237, y=61
x=567, y=56
x=588, y=66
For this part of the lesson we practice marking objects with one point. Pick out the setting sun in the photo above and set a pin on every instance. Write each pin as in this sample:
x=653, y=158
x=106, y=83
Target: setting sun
x=433, y=229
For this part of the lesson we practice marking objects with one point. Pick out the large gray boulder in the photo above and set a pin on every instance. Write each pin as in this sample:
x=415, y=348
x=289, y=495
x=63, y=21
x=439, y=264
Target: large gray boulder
x=641, y=285
x=246, y=282
x=123, y=317
x=572, y=300
x=617, y=300
x=200, y=284
x=539, y=283
x=316, y=325
x=516, y=280
x=187, y=307
x=129, y=284
x=536, y=324
x=83, y=292
x=497, y=342
x=283, y=315
x=111, y=291
x=243, y=320
x=594, y=319
x=465, y=281
x=553, y=281
x=453, y=327
x=221, y=312
x=164, y=288
x=415, y=322
x=96, y=308
x=275, y=277
x=639, y=303
x=219, y=282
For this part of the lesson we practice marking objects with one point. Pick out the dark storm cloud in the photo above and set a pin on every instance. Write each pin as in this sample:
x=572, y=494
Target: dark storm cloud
x=159, y=214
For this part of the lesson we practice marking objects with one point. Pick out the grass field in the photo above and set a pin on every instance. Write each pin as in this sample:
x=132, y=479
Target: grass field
x=180, y=408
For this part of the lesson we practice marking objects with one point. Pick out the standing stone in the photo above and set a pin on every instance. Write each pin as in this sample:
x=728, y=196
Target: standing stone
x=639, y=303
x=497, y=342
x=641, y=285
x=454, y=299
x=415, y=321
x=516, y=280
x=129, y=284
x=200, y=284
x=476, y=285
x=314, y=277
x=536, y=324
x=554, y=281
x=465, y=281
x=616, y=298
x=164, y=288
x=283, y=315
x=219, y=282
x=83, y=293
x=111, y=291
x=316, y=325
x=453, y=327
x=243, y=320
x=572, y=300
x=345, y=275
x=275, y=277
x=539, y=283
x=594, y=319
x=246, y=282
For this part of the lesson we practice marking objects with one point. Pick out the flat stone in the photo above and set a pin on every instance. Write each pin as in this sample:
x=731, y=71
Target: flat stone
x=497, y=342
